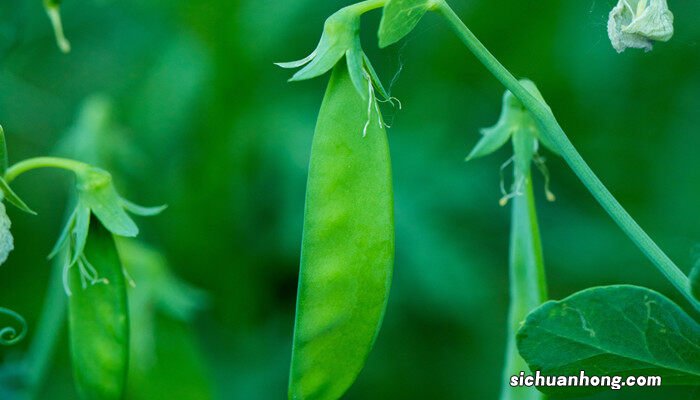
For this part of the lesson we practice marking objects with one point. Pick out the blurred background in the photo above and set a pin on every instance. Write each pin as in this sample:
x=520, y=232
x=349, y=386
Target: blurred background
x=193, y=113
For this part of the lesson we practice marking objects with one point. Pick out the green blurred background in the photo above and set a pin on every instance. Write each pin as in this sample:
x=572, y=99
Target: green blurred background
x=215, y=131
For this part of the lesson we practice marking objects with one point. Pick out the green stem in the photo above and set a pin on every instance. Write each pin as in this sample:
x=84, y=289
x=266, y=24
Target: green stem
x=528, y=287
x=369, y=5
x=43, y=162
x=43, y=345
x=41, y=351
x=550, y=127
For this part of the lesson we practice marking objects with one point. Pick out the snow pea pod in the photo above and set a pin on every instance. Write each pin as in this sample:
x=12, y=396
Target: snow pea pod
x=347, y=252
x=98, y=318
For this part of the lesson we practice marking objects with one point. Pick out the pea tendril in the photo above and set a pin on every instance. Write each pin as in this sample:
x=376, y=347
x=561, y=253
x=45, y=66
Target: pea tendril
x=10, y=335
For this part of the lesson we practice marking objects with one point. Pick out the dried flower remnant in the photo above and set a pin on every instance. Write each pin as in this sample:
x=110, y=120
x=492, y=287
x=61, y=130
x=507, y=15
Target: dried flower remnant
x=639, y=23
x=6, y=240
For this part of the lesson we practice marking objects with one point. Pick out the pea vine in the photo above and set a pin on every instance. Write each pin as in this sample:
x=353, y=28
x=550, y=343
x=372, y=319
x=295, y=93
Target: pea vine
x=53, y=10
x=112, y=285
x=347, y=247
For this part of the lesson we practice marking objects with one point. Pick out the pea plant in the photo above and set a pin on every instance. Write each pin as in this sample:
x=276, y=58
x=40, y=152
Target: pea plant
x=96, y=264
x=348, y=235
x=91, y=272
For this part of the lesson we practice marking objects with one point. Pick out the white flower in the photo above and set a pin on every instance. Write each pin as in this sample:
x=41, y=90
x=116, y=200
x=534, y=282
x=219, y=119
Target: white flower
x=6, y=241
x=638, y=23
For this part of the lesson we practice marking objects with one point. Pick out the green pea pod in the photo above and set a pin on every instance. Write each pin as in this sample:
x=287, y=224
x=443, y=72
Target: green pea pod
x=347, y=250
x=99, y=322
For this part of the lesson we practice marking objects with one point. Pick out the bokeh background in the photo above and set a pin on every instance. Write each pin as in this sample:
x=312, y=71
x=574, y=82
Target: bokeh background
x=201, y=119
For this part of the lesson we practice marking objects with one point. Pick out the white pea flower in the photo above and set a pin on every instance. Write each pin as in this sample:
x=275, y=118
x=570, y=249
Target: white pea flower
x=639, y=23
x=7, y=243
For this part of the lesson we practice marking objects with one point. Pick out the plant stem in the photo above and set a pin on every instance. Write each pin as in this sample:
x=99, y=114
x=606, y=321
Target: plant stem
x=550, y=127
x=41, y=350
x=38, y=358
x=369, y=5
x=528, y=287
x=43, y=162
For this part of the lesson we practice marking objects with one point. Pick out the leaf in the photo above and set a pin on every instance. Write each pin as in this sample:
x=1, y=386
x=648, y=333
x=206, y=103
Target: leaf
x=400, y=18
x=13, y=198
x=615, y=330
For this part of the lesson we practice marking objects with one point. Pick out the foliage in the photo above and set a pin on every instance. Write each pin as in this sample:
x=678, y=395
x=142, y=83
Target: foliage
x=225, y=143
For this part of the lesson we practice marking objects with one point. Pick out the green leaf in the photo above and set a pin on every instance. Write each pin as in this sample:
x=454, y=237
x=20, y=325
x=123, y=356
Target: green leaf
x=399, y=19
x=95, y=188
x=13, y=198
x=616, y=330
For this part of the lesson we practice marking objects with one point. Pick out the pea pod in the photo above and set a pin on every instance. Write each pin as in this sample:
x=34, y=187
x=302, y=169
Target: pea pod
x=99, y=323
x=347, y=252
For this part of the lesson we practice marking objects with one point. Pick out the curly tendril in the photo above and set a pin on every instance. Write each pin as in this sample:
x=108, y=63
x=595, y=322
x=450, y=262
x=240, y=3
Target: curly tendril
x=9, y=335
